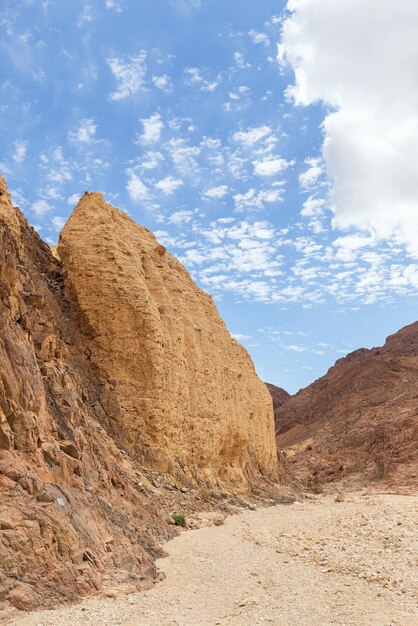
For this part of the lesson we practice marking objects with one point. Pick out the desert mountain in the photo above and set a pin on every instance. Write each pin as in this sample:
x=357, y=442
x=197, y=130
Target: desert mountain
x=120, y=389
x=279, y=395
x=359, y=423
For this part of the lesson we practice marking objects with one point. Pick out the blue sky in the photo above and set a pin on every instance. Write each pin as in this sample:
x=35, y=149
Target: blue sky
x=265, y=147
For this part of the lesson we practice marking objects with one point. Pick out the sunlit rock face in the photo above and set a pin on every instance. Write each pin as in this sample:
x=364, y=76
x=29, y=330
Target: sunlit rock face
x=183, y=395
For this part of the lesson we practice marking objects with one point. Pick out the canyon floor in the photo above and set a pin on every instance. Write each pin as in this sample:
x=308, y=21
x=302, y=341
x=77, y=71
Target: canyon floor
x=313, y=563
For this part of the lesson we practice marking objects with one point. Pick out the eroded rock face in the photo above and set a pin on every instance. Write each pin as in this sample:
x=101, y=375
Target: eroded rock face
x=79, y=511
x=182, y=395
x=358, y=424
x=73, y=515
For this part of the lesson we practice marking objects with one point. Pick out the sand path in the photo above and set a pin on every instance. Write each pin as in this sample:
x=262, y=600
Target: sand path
x=308, y=564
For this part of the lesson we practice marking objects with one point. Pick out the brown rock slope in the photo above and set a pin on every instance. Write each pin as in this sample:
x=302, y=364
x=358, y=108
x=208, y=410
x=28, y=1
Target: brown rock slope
x=78, y=510
x=183, y=396
x=73, y=514
x=358, y=424
x=279, y=396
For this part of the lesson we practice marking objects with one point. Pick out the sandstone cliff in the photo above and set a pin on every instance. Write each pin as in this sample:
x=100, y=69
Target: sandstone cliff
x=81, y=508
x=181, y=394
x=358, y=424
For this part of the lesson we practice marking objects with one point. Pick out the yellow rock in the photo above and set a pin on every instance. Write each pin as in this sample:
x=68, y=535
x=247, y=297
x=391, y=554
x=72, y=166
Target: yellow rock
x=190, y=401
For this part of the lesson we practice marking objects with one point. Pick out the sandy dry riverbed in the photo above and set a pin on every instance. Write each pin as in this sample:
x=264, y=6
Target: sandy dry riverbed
x=313, y=563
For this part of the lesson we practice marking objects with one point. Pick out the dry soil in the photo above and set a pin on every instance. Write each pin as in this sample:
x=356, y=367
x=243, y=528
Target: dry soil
x=313, y=563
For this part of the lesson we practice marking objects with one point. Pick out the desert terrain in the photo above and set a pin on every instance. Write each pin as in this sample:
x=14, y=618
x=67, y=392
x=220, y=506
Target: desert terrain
x=311, y=563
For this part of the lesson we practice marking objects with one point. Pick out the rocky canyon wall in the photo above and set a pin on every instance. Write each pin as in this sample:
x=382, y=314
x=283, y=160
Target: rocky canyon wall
x=185, y=398
x=358, y=424
x=116, y=371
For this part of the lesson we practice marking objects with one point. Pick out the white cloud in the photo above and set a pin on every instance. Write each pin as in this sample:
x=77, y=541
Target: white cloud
x=73, y=199
x=270, y=166
x=240, y=337
x=20, y=151
x=58, y=222
x=116, y=5
x=129, y=75
x=180, y=217
x=86, y=16
x=84, y=133
x=253, y=199
x=348, y=246
x=151, y=160
x=41, y=207
x=216, y=192
x=360, y=58
x=193, y=75
x=152, y=127
x=259, y=37
x=310, y=177
x=183, y=156
x=252, y=135
x=162, y=82
x=240, y=61
x=136, y=188
x=169, y=184
x=312, y=207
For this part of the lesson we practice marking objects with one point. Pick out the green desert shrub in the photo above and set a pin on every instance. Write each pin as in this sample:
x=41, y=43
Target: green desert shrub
x=179, y=519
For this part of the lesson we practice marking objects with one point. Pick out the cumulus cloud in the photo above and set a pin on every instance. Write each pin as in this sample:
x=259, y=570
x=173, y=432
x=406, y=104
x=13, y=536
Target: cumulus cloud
x=309, y=178
x=259, y=37
x=169, y=184
x=20, y=150
x=152, y=127
x=253, y=199
x=129, y=75
x=252, y=135
x=73, y=199
x=359, y=57
x=162, y=82
x=270, y=166
x=216, y=192
x=180, y=217
x=41, y=207
x=84, y=133
x=136, y=188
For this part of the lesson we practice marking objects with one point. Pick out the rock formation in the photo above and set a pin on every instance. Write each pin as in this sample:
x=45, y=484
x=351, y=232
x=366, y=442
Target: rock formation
x=279, y=396
x=180, y=394
x=119, y=370
x=358, y=424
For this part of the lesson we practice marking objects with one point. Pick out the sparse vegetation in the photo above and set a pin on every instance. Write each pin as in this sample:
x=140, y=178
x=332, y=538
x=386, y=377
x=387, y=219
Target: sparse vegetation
x=179, y=519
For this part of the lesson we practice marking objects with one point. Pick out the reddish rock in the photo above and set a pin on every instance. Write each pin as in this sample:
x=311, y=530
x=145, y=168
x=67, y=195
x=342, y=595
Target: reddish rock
x=358, y=424
x=79, y=513
x=279, y=395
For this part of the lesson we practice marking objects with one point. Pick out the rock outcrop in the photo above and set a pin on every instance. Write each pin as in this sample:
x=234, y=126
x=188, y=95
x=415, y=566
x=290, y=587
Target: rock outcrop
x=180, y=394
x=74, y=514
x=128, y=371
x=279, y=396
x=358, y=424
